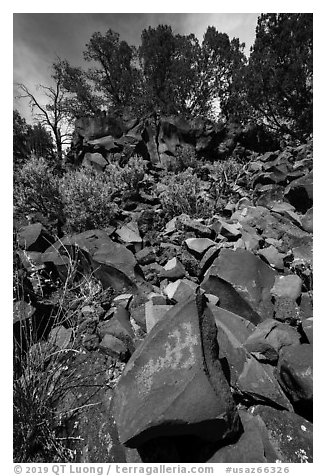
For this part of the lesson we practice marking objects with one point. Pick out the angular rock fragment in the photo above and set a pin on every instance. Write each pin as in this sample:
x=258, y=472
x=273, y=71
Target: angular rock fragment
x=229, y=299
x=307, y=328
x=249, y=448
x=34, y=237
x=114, y=347
x=307, y=221
x=157, y=298
x=209, y=257
x=282, y=207
x=289, y=434
x=96, y=160
x=212, y=299
x=129, y=233
x=198, y=246
x=286, y=310
x=60, y=337
x=113, y=264
x=173, y=269
x=180, y=290
x=300, y=193
x=243, y=283
x=246, y=375
x=306, y=305
x=123, y=300
x=231, y=231
x=119, y=326
x=273, y=257
x=146, y=256
x=303, y=255
x=250, y=240
x=196, y=226
x=269, y=338
x=240, y=328
x=287, y=287
x=295, y=373
x=174, y=384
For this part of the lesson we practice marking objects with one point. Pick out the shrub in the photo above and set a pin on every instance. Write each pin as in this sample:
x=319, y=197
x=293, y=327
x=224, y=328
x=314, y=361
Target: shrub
x=186, y=157
x=127, y=177
x=223, y=174
x=36, y=189
x=87, y=199
x=134, y=172
x=183, y=193
x=44, y=374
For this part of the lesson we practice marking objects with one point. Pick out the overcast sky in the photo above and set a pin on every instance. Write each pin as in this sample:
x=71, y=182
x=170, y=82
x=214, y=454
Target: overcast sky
x=38, y=38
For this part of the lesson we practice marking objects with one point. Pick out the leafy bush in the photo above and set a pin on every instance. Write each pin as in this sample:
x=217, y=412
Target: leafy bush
x=186, y=157
x=129, y=176
x=87, y=199
x=134, y=172
x=183, y=193
x=36, y=189
x=223, y=174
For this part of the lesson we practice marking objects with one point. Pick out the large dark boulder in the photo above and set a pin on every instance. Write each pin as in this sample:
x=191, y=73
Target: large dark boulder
x=245, y=374
x=174, y=385
x=295, y=374
x=250, y=446
x=243, y=282
x=289, y=435
x=300, y=193
x=93, y=251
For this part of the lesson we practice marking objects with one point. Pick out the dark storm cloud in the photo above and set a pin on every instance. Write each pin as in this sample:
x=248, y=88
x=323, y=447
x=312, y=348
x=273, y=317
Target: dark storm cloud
x=41, y=37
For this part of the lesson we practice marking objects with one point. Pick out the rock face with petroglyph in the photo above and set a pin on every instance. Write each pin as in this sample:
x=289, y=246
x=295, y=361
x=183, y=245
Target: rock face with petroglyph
x=174, y=384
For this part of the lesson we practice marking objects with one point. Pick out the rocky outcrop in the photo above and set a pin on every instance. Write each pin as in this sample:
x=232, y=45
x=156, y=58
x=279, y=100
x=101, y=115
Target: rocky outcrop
x=96, y=139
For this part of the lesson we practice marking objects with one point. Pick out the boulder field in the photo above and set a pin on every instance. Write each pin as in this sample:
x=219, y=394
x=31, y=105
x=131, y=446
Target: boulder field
x=200, y=349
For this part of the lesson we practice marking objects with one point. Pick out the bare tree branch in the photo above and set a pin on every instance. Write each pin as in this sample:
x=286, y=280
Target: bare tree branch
x=52, y=115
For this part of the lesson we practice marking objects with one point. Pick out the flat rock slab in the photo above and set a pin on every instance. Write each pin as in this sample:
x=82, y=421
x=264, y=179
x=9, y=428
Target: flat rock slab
x=289, y=434
x=174, y=384
x=249, y=277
